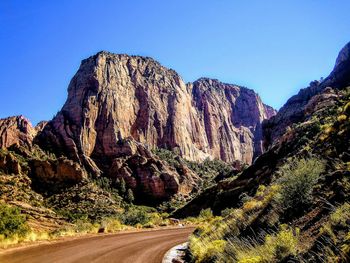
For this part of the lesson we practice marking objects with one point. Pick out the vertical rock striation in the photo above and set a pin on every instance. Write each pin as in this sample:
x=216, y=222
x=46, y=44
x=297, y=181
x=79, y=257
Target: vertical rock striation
x=112, y=97
x=16, y=130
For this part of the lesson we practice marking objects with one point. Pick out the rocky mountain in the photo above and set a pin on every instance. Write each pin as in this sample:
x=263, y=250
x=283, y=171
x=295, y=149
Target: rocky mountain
x=294, y=109
x=113, y=97
x=299, y=187
x=320, y=96
x=120, y=108
x=109, y=147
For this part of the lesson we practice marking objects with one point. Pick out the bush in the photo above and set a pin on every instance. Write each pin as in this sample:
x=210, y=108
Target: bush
x=12, y=222
x=226, y=212
x=130, y=196
x=341, y=216
x=204, y=250
x=275, y=247
x=252, y=205
x=82, y=226
x=284, y=244
x=134, y=215
x=298, y=179
x=206, y=214
x=338, y=220
x=112, y=225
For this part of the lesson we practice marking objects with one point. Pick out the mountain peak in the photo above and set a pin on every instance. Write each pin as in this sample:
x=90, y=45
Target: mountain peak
x=115, y=96
x=343, y=56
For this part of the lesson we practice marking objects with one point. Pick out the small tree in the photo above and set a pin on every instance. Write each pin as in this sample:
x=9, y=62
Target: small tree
x=12, y=222
x=130, y=196
x=122, y=186
x=298, y=179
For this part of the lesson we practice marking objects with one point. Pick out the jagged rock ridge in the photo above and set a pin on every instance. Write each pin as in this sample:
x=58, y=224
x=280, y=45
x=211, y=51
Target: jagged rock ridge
x=16, y=130
x=293, y=111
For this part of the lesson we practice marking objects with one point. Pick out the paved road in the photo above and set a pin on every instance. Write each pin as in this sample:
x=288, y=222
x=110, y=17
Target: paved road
x=135, y=247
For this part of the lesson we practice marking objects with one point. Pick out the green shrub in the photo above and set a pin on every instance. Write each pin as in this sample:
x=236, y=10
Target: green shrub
x=135, y=215
x=112, y=225
x=341, y=216
x=83, y=226
x=12, y=222
x=298, y=179
x=204, y=250
x=129, y=196
x=104, y=183
x=226, y=212
x=72, y=216
x=206, y=214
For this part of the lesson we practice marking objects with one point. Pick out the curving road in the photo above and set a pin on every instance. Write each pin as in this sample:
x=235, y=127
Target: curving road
x=135, y=247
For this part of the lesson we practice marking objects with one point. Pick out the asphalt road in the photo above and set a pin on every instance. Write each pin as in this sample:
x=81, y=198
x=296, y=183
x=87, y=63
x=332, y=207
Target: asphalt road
x=134, y=247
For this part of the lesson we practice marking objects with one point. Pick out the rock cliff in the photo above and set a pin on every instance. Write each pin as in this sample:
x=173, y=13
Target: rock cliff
x=319, y=104
x=112, y=97
x=120, y=107
x=16, y=130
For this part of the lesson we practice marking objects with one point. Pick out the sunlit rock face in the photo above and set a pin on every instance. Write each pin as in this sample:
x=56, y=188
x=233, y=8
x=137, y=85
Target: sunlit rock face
x=118, y=96
x=16, y=130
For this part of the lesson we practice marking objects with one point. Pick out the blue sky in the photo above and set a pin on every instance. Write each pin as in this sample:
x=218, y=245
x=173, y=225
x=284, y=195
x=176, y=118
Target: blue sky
x=273, y=47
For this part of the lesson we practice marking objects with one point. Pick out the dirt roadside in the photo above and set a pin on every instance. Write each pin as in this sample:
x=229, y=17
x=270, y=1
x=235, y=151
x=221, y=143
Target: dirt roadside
x=140, y=246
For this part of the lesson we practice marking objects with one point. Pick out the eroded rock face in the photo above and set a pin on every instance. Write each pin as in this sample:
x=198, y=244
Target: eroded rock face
x=150, y=178
x=16, y=130
x=230, y=120
x=117, y=96
x=60, y=171
x=9, y=164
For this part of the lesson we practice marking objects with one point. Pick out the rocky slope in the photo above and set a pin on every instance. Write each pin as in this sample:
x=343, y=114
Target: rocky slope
x=112, y=97
x=277, y=200
x=294, y=109
x=281, y=138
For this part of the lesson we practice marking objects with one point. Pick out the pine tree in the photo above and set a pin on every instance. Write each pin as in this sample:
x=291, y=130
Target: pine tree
x=130, y=196
x=122, y=186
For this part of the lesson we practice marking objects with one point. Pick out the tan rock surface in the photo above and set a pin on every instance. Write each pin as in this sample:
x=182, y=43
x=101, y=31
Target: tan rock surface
x=61, y=170
x=16, y=130
x=118, y=96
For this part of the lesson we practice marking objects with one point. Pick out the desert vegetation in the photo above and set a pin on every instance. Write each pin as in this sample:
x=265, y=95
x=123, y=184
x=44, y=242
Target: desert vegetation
x=301, y=214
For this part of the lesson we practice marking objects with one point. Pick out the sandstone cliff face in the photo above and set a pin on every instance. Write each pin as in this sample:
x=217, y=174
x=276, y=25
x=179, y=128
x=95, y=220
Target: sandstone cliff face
x=230, y=118
x=117, y=96
x=55, y=172
x=16, y=130
x=295, y=109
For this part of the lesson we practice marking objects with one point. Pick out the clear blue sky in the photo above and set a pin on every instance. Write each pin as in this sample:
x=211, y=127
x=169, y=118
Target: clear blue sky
x=273, y=47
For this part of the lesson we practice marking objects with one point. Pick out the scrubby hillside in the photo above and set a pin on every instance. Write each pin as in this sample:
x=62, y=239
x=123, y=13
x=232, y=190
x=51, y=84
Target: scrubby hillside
x=292, y=203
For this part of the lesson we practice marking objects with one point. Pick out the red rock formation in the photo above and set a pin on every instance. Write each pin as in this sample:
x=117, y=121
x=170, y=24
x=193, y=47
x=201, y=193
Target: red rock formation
x=148, y=176
x=57, y=171
x=117, y=96
x=16, y=130
x=230, y=118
